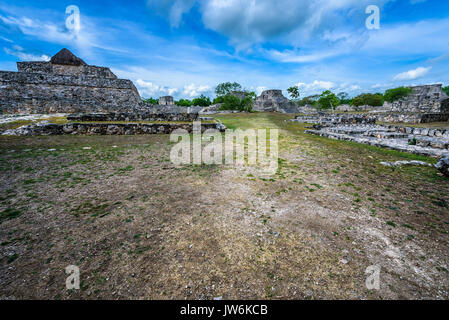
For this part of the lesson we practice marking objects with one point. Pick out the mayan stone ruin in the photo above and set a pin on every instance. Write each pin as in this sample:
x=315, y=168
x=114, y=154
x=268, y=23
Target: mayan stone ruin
x=274, y=101
x=166, y=101
x=423, y=99
x=87, y=96
x=66, y=84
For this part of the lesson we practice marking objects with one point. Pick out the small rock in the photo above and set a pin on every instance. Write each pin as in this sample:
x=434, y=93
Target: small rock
x=443, y=166
x=218, y=298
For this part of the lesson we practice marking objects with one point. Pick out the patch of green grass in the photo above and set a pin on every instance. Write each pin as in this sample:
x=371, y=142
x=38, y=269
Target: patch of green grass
x=391, y=223
x=9, y=213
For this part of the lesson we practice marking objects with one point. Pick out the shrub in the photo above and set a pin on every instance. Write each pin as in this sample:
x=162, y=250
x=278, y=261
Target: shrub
x=219, y=99
x=231, y=102
x=202, y=101
x=151, y=101
x=369, y=99
x=308, y=100
x=328, y=100
x=184, y=103
x=397, y=93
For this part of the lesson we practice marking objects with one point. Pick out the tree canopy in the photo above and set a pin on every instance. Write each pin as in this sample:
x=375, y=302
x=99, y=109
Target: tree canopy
x=397, y=94
x=328, y=100
x=227, y=87
x=294, y=92
x=202, y=101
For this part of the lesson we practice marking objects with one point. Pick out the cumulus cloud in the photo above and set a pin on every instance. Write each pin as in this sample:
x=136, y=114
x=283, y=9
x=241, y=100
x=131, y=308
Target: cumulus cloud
x=193, y=90
x=251, y=21
x=149, y=89
x=316, y=85
x=412, y=74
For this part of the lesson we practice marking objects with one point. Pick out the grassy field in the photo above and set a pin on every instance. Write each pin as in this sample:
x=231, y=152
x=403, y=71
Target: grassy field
x=140, y=227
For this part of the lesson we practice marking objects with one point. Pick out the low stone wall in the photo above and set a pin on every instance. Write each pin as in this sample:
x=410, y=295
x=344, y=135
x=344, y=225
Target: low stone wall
x=395, y=144
x=332, y=119
x=107, y=128
x=412, y=117
x=140, y=116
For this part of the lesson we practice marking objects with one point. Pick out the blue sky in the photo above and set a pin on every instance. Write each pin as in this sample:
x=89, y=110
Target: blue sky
x=186, y=47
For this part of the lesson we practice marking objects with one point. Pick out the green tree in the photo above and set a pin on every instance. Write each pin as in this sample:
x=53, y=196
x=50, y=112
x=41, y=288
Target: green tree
x=184, y=103
x=397, y=93
x=219, y=99
x=231, y=102
x=294, y=92
x=328, y=100
x=312, y=100
x=446, y=90
x=202, y=101
x=369, y=99
x=344, y=98
x=151, y=101
x=226, y=88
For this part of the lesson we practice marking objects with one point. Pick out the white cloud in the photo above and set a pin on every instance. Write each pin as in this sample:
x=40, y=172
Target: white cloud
x=249, y=21
x=412, y=74
x=20, y=53
x=260, y=89
x=149, y=89
x=316, y=85
x=193, y=90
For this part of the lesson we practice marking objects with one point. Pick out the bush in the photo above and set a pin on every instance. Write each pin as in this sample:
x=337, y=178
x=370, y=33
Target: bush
x=231, y=102
x=309, y=100
x=369, y=99
x=151, y=101
x=328, y=100
x=184, y=103
x=202, y=101
x=397, y=94
x=219, y=99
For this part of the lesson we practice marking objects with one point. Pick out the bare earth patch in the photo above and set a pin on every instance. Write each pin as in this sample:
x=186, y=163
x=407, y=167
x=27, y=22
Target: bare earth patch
x=140, y=227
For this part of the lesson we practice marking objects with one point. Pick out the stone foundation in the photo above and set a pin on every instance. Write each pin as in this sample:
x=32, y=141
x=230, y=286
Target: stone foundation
x=412, y=117
x=138, y=116
x=107, y=128
x=423, y=141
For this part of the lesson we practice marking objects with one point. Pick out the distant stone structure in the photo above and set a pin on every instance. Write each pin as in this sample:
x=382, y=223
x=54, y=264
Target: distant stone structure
x=166, y=101
x=423, y=99
x=274, y=101
x=65, y=84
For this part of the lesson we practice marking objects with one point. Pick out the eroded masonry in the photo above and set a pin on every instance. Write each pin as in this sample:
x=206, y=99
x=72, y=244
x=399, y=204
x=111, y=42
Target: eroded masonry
x=66, y=84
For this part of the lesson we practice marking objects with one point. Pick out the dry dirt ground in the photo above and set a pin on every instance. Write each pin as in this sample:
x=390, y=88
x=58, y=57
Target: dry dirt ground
x=140, y=227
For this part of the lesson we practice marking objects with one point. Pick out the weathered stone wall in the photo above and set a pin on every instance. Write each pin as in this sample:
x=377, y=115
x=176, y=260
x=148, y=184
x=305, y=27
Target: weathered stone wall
x=424, y=99
x=49, y=68
x=22, y=92
x=137, y=116
x=274, y=101
x=333, y=119
x=412, y=117
x=108, y=128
